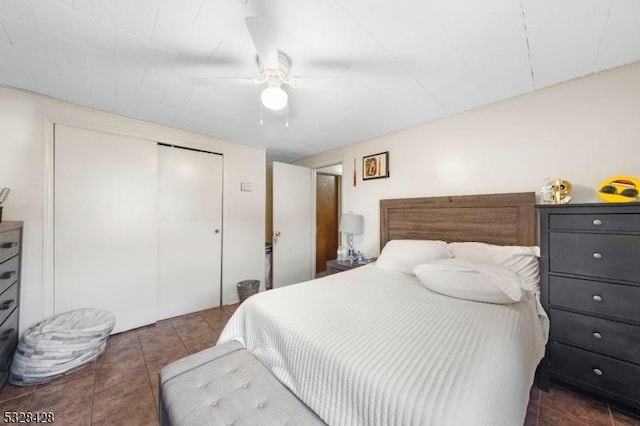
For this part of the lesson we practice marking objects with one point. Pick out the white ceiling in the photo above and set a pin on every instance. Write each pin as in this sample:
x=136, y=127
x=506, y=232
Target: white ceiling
x=411, y=61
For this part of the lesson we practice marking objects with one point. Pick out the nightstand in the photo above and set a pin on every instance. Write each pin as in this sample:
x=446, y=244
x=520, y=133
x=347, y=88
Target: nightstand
x=334, y=266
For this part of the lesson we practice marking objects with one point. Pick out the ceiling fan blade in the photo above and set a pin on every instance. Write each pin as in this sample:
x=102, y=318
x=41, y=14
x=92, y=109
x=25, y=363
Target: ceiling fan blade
x=340, y=83
x=212, y=81
x=264, y=39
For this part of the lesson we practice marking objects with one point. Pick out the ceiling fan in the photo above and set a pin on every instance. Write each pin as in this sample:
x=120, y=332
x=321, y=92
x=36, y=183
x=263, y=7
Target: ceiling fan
x=273, y=69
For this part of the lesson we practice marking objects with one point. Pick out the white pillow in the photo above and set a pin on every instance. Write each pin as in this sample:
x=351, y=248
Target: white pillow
x=462, y=279
x=404, y=255
x=520, y=259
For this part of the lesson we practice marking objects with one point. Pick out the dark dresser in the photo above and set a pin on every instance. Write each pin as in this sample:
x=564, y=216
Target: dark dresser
x=590, y=279
x=334, y=266
x=10, y=250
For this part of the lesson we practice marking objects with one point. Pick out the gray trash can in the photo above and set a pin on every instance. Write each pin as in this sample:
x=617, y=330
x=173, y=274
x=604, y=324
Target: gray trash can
x=247, y=288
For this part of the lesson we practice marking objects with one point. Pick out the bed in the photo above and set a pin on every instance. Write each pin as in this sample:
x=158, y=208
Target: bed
x=375, y=347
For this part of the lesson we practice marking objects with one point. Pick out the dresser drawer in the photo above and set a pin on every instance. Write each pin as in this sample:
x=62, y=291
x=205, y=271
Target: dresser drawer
x=598, y=255
x=5, y=365
x=609, y=337
x=606, y=373
x=8, y=302
x=596, y=222
x=9, y=272
x=615, y=300
x=8, y=343
x=9, y=244
x=9, y=335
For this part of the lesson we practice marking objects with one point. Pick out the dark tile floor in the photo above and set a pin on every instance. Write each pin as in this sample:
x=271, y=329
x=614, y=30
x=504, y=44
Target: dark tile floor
x=562, y=407
x=121, y=388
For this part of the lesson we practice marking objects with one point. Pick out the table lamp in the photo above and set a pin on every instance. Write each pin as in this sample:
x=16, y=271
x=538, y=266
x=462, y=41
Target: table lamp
x=351, y=224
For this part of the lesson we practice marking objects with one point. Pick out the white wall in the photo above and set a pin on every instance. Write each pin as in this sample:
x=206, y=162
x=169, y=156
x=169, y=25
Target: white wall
x=582, y=131
x=22, y=157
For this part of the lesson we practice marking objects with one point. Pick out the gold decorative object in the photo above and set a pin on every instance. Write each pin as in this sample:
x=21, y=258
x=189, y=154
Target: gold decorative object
x=560, y=190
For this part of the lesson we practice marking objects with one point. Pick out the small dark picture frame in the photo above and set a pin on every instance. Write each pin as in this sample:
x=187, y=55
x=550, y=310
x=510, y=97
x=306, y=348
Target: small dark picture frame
x=375, y=166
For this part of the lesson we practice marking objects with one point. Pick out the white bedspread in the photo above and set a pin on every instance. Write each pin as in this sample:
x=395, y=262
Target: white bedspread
x=368, y=347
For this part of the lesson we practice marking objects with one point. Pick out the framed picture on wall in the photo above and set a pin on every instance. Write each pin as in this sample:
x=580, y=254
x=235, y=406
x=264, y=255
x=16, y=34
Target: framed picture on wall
x=375, y=166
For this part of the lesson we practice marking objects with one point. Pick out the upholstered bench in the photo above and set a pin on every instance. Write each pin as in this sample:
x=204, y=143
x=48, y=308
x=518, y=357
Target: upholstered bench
x=226, y=385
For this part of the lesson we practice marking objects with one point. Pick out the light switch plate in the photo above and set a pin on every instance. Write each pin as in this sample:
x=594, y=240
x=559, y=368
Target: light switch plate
x=246, y=186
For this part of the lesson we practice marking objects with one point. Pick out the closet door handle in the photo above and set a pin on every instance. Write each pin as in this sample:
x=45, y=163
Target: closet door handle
x=7, y=275
x=12, y=244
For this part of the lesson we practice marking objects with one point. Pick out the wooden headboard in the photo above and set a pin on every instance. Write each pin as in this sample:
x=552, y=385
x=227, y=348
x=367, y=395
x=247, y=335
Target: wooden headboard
x=505, y=219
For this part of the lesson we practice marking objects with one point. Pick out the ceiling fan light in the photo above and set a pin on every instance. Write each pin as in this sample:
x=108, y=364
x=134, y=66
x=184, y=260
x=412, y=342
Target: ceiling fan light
x=274, y=98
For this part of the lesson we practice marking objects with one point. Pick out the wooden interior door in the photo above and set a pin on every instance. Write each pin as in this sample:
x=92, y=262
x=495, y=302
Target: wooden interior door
x=327, y=187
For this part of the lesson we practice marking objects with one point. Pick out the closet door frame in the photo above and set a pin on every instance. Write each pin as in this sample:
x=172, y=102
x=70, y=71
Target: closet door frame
x=49, y=120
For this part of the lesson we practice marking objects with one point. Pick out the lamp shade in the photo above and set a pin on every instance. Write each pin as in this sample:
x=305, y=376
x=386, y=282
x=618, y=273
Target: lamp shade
x=274, y=98
x=351, y=223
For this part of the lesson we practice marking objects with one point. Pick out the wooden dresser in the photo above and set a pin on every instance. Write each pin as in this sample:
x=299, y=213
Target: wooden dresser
x=10, y=248
x=590, y=278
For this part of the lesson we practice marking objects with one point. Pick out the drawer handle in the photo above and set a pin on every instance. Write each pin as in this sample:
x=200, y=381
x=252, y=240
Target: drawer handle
x=597, y=335
x=12, y=244
x=6, y=334
x=597, y=222
x=597, y=372
x=597, y=298
x=597, y=255
x=6, y=304
x=7, y=275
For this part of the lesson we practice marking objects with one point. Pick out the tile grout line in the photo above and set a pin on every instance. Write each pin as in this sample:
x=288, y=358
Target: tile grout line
x=2, y=401
x=93, y=396
x=613, y=423
x=538, y=410
x=180, y=337
x=146, y=367
x=30, y=397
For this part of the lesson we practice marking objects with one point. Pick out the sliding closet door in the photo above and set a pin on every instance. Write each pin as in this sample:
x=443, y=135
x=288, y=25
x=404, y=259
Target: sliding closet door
x=189, y=230
x=106, y=225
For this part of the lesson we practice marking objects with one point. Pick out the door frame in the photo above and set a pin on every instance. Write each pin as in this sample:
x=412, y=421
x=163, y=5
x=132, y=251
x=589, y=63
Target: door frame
x=314, y=178
x=49, y=121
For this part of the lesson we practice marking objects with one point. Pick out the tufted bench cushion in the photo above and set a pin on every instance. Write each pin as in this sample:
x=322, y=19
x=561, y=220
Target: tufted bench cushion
x=226, y=385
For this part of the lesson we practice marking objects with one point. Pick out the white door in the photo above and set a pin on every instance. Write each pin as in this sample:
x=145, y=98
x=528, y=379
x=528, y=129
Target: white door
x=292, y=224
x=105, y=225
x=189, y=230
